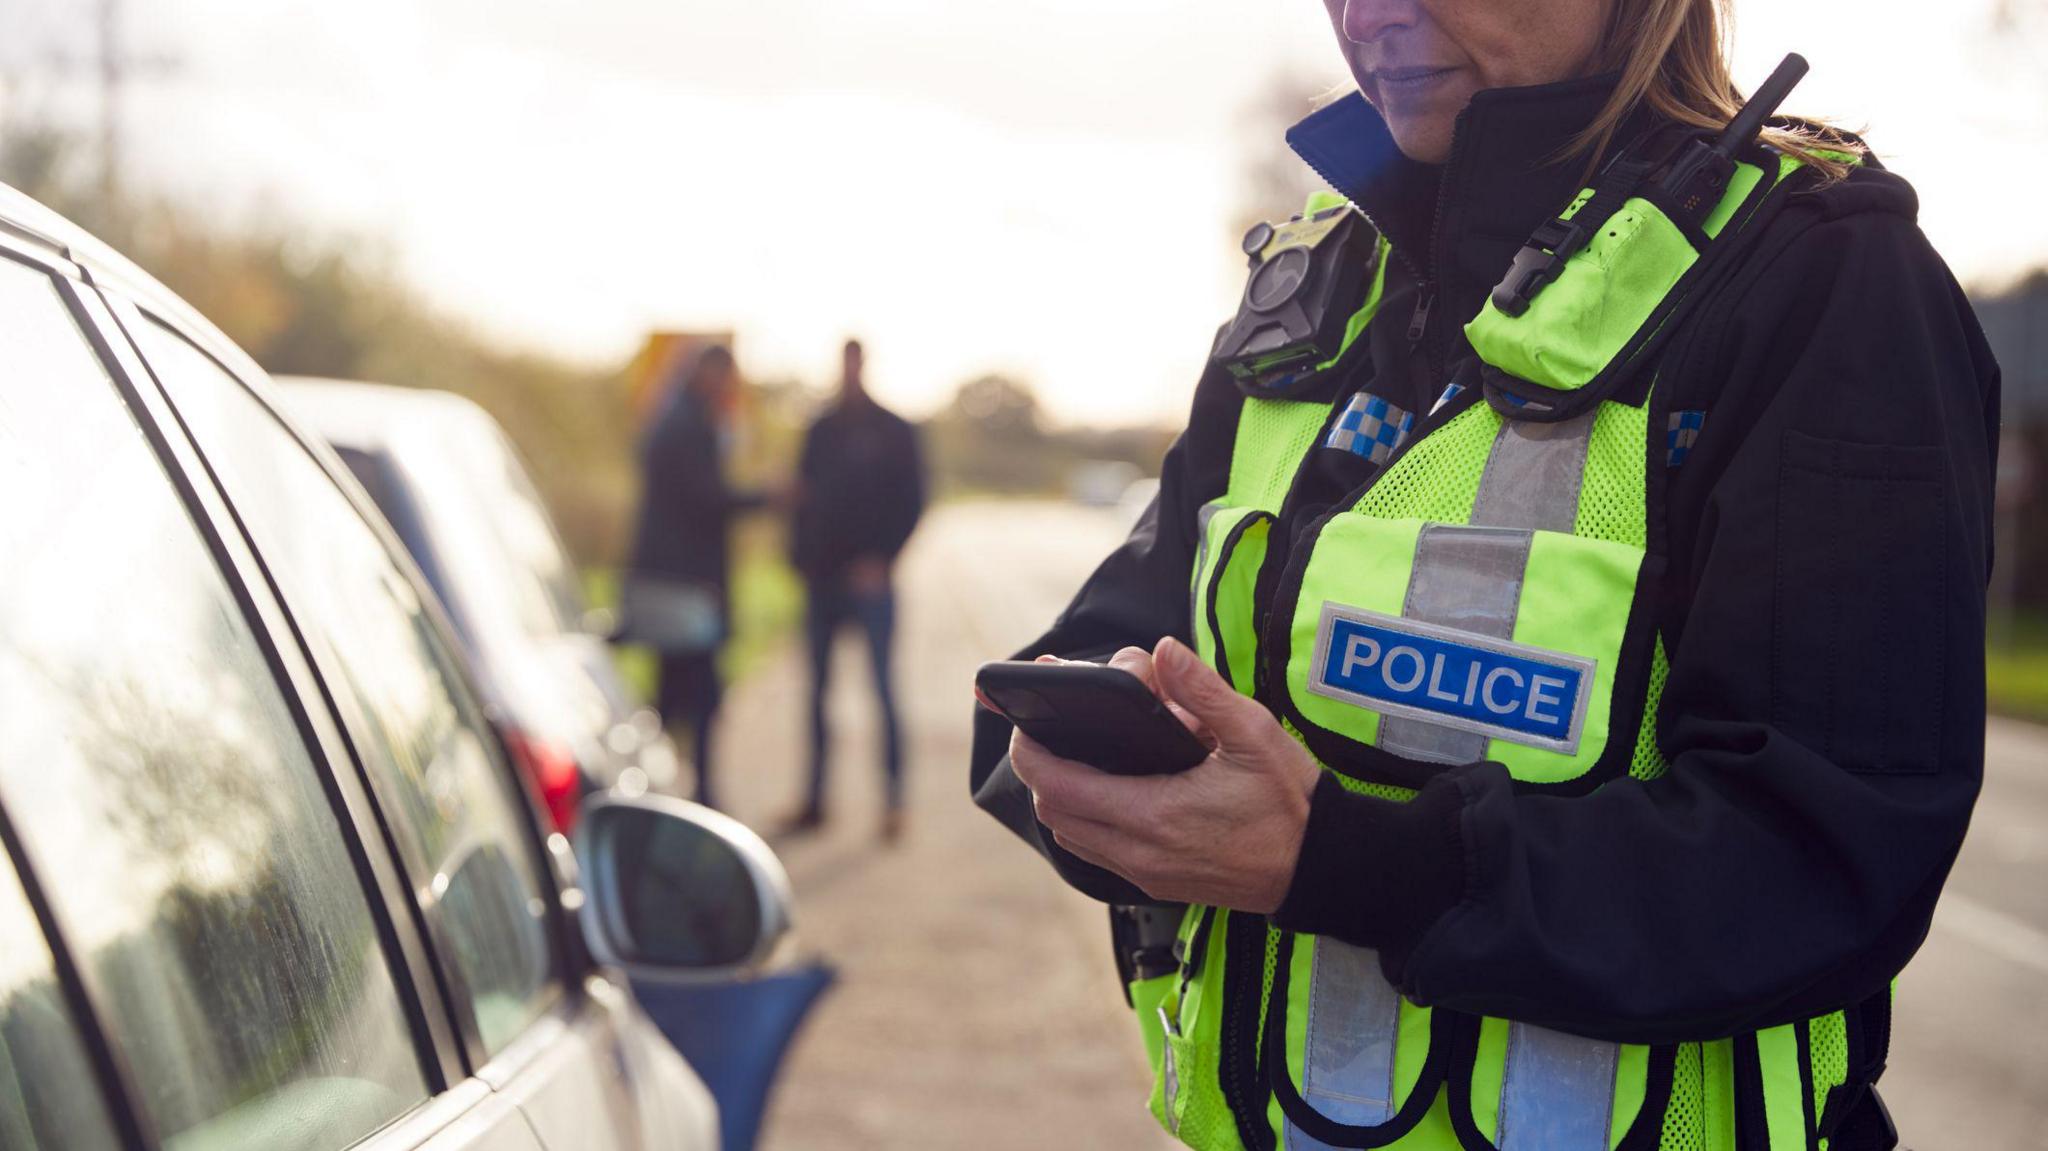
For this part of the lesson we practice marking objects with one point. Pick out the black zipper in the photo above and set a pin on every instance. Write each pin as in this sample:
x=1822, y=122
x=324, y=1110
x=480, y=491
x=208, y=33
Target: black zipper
x=1237, y=1072
x=1433, y=351
x=1418, y=321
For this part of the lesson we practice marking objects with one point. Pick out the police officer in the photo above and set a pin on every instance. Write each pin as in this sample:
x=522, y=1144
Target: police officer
x=1591, y=647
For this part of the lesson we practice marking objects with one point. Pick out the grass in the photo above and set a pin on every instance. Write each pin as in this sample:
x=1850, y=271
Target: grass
x=2016, y=669
x=767, y=605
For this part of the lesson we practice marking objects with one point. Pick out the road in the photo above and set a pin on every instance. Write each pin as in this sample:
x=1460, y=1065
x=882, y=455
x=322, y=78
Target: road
x=977, y=1007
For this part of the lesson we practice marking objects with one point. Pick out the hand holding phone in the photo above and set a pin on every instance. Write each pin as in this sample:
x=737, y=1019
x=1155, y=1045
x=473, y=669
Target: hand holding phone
x=1093, y=714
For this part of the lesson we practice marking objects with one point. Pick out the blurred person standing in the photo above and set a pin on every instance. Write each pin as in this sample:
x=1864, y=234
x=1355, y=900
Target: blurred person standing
x=861, y=490
x=677, y=594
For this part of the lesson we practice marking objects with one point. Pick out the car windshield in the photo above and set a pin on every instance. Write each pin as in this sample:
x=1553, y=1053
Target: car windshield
x=489, y=532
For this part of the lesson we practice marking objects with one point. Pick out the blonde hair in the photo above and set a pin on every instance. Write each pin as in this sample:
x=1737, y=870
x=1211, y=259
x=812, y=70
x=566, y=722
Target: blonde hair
x=1673, y=57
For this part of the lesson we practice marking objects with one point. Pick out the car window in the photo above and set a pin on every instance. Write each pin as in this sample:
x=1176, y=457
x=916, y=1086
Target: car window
x=490, y=528
x=49, y=1100
x=453, y=807
x=161, y=787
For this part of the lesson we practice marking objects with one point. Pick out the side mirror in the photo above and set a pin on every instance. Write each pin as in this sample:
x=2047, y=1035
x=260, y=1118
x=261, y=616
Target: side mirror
x=675, y=885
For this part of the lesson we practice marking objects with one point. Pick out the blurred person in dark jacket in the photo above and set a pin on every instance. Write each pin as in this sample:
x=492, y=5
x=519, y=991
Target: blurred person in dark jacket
x=861, y=490
x=677, y=597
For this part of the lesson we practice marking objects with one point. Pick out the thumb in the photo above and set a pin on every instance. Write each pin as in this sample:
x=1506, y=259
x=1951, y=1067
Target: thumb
x=1236, y=720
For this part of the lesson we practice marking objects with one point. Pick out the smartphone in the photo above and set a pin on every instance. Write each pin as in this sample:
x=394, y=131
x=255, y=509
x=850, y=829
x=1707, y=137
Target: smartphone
x=1099, y=715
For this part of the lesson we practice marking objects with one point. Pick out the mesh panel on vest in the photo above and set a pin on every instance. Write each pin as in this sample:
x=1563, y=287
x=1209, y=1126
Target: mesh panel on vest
x=1376, y=790
x=1439, y=476
x=1266, y=985
x=1357, y=786
x=1649, y=762
x=1206, y=1122
x=1685, y=1120
x=1828, y=1037
x=1273, y=437
x=1611, y=504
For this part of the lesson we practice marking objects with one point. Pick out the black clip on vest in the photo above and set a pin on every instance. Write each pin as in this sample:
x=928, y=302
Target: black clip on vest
x=1691, y=185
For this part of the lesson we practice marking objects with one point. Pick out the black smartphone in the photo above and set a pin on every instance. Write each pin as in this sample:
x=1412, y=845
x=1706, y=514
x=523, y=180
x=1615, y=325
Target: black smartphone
x=1099, y=715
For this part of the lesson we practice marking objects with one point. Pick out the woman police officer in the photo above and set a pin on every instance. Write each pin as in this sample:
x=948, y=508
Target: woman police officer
x=1592, y=656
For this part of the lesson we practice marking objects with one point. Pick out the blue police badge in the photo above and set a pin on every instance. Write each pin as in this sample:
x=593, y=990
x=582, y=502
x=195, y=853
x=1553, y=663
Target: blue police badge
x=1456, y=679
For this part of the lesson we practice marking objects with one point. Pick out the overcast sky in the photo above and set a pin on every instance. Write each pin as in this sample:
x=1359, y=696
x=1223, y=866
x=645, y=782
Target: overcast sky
x=1034, y=186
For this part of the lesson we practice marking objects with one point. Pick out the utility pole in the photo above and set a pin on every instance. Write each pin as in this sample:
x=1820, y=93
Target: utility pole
x=111, y=76
x=116, y=67
x=110, y=68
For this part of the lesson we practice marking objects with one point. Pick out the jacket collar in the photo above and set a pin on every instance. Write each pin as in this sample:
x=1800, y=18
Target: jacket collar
x=1457, y=226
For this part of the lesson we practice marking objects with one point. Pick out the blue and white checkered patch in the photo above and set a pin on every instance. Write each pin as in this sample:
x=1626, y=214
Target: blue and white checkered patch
x=1371, y=427
x=1451, y=392
x=1679, y=437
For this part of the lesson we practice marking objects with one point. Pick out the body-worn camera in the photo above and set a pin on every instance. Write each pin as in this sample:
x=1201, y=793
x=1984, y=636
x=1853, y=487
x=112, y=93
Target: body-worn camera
x=1308, y=276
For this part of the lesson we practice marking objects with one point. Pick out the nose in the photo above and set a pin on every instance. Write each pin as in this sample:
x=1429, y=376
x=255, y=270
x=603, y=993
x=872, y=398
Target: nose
x=1368, y=20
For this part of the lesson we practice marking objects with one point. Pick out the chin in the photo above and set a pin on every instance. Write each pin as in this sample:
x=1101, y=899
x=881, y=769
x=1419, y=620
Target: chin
x=1424, y=139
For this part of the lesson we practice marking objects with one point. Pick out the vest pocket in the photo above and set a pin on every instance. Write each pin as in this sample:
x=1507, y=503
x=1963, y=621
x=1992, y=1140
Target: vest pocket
x=1410, y=644
x=1149, y=1001
x=1181, y=1018
x=1519, y=1087
x=1233, y=548
x=1359, y=1065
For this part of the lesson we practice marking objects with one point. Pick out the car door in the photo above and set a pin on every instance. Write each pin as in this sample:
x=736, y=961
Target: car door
x=202, y=916
x=546, y=1033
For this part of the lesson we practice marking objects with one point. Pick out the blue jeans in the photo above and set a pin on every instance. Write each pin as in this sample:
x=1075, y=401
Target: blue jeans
x=832, y=606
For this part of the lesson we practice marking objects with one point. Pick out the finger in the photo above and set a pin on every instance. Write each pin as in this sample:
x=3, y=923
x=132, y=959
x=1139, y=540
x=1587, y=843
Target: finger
x=1232, y=719
x=1138, y=663
x=1192, y=722
x=1028, y=758
x=1079, y=789
x=1100, y=844
x=1086, y=854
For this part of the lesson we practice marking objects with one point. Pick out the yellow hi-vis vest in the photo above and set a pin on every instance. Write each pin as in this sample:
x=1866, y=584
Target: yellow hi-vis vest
x=1479, y=599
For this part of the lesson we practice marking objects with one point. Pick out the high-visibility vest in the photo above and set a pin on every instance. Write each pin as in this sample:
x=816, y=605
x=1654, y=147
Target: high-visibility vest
x=1481, y=598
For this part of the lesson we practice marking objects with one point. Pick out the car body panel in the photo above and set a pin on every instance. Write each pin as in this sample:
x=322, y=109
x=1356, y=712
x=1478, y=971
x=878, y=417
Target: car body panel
x=493, y=1123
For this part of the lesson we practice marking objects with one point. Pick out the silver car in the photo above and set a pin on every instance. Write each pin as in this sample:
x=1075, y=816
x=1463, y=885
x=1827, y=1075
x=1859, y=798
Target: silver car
x=267, y=879
x=453, y=489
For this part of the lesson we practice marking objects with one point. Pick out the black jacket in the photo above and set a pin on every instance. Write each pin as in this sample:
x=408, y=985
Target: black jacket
x=686, y=504
x=1829, y=539
x=863, y=489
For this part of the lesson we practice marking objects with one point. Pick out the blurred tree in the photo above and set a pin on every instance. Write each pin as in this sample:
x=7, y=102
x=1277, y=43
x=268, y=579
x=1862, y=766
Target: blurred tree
x=992, y=438
x=997, y=407
x=307, y=304
x=989, y=439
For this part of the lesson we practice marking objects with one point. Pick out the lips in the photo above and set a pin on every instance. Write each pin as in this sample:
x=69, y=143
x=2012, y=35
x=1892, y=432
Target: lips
x=1408, y=78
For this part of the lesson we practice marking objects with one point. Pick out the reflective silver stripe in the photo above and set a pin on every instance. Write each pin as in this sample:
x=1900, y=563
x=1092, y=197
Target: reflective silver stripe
x=1464, y=578
x=1556, y=1091
x=1533, y=475
x=1470, y=578
x=1169, y=1075
x=1203, y=515
x=1354, y=1019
